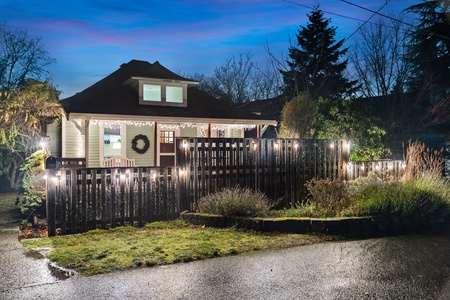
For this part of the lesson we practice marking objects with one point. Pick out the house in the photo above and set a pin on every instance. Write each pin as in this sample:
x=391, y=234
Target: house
x=132, y=117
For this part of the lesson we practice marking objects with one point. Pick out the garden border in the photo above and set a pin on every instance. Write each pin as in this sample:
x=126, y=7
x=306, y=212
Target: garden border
x=356, y=227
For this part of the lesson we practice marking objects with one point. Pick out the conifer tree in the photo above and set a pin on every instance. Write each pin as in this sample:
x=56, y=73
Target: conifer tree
x=316, y=66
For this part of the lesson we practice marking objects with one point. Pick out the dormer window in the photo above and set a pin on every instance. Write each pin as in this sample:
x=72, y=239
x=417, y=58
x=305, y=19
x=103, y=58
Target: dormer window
x=162, y=92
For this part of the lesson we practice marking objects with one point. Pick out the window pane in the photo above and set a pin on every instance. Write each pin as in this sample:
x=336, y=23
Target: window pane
x=152, y=92
x=174, y=94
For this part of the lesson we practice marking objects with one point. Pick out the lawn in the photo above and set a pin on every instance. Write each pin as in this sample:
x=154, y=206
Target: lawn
x=159, y=243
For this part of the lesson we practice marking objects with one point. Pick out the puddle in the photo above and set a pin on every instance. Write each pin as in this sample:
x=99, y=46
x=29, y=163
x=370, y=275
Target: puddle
x=56, y=271
x=60, y=273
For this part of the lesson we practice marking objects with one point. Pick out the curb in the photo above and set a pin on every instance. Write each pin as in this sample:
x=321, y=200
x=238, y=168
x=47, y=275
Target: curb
x=356, y=227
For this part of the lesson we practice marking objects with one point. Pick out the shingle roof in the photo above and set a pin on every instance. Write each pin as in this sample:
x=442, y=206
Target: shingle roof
x=111, y=96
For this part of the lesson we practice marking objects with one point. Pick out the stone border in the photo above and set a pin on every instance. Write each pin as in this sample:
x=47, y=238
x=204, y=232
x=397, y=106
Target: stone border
x=347, y=227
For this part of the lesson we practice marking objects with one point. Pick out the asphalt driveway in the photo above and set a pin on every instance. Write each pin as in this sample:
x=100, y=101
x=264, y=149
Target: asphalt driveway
x=404, y=267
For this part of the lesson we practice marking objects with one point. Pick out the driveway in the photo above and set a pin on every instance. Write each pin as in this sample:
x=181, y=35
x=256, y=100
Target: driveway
x=404, y=267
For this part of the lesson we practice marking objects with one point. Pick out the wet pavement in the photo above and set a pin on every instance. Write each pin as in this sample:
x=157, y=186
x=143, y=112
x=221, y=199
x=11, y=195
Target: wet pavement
x=404, y=267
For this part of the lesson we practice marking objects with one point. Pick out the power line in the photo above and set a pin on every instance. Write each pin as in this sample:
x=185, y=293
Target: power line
x=360, y=26
x=328, y=12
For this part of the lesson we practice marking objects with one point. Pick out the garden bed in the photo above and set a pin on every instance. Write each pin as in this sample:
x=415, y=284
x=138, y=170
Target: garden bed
x=356, y=227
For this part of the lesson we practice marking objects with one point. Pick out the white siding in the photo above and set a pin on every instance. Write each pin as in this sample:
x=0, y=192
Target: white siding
x=146, y=159
x=236, y=133
x=94, y=146
x=54, y=132
x=72, y=141
x=188, y=132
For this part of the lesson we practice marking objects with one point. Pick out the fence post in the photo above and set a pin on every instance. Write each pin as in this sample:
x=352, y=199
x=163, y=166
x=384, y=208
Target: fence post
x=51, y=202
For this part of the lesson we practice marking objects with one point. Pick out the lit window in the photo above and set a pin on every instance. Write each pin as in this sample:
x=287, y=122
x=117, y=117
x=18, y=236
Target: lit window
x=174, y=94
x=166, y=137
x=152, y=92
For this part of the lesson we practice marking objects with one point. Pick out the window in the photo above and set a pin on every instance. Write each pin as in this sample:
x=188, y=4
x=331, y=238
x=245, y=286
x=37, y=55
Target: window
x=166, y=137
x=152, y=92
x=174, y=94
x=163, y=93
x=112, y=141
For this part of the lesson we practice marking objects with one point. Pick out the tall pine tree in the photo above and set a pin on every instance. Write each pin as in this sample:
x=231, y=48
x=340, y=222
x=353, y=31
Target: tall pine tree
x=315, y=65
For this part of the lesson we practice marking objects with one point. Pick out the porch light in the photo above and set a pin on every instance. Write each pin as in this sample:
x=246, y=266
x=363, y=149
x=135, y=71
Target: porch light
x=362, y=167
x=276, y=145
x=181, y=172
x=296, y=146
x=332, y=145
x=377, y=166
x=185, y=144
x=153, y=176
x=255, y=146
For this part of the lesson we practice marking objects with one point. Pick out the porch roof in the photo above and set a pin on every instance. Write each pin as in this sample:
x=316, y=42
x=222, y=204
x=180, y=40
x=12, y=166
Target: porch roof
x=116, y=96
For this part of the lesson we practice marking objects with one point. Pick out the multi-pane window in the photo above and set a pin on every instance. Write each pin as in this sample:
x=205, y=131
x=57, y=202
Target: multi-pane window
x=166, y=137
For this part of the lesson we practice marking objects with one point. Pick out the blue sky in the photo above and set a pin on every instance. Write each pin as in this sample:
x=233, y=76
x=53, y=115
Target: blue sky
x=91, y=38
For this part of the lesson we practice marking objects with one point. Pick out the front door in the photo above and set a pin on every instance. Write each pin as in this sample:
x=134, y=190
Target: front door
x=166, y=148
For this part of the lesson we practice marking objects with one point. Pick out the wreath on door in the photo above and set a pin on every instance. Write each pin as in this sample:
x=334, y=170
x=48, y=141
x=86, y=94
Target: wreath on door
x=134, y=143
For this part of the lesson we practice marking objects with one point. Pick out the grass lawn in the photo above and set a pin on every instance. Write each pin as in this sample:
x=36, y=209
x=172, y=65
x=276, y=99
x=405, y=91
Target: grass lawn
x=159, y=243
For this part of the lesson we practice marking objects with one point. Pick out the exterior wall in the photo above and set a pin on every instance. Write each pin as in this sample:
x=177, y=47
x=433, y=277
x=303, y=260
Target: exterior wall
x=146, y=159
x=94, y=146
x=188, y=132
x=54, y=132
x=72, y=141
x=236, y=133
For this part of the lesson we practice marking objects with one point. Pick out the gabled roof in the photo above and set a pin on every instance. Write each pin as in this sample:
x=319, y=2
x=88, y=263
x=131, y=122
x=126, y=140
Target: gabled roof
x=114, y=95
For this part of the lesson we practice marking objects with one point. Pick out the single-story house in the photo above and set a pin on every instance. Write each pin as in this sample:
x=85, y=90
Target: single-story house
x=132, y=117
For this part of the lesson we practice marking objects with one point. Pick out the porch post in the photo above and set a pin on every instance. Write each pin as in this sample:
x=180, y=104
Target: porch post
x=86, y=142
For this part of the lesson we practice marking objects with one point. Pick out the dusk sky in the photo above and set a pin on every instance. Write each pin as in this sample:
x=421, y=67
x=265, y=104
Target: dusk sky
x=91, y=38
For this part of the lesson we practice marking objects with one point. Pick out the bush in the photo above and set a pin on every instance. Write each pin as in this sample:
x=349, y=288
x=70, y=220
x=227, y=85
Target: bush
x=33, y=185
x=328, y=196
x=423, y=161
x=235, y=202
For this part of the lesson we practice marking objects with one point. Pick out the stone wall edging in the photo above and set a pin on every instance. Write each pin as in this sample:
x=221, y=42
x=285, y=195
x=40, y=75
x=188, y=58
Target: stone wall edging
x=347, y=227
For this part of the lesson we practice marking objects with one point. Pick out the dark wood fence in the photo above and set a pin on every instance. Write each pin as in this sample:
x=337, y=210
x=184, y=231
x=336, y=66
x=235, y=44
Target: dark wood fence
x=277, y=167
x=81, y=199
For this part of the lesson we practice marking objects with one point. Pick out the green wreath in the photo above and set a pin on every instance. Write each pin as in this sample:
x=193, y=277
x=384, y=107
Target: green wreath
x=134, y=143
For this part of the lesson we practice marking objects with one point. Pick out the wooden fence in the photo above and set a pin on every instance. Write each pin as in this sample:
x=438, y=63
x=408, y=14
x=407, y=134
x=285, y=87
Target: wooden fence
x=277, y=167
x=81, y=199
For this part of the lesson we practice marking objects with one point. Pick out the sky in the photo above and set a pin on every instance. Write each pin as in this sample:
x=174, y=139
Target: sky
x=90, y=39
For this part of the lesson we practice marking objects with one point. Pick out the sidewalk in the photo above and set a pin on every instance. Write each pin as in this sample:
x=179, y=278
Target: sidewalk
x=18, y=269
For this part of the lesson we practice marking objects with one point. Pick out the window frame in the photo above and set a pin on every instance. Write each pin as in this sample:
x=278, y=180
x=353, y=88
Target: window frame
x=163, y=85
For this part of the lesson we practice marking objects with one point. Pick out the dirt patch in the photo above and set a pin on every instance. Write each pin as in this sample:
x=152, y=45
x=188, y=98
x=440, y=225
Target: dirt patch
x=32, y=231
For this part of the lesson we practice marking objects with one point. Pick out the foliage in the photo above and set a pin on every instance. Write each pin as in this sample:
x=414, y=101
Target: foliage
x=422, y=161
x=315, y=65
x=235, y=202
x=25, y=113
x=430, y=55
x=103, y=251
x=33, y=185
x=297, y=117
x=328, y=196
x=343, y=119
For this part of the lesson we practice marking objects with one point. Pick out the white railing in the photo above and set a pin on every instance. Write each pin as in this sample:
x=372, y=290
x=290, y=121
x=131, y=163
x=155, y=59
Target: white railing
x=117, y=161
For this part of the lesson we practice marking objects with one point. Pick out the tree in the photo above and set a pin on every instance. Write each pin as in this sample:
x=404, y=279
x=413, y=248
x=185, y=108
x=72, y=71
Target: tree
x=430, y=54
x=315, y=65
x=297, y=117
x=239, y=80
x=21, y=57
x=24, y=114
x=26, y=104
x=343, y=119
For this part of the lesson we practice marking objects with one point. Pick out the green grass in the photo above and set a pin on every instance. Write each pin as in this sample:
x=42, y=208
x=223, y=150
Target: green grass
x=160, y=243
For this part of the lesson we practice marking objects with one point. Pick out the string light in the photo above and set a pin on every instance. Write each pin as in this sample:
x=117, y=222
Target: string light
x=115, y=124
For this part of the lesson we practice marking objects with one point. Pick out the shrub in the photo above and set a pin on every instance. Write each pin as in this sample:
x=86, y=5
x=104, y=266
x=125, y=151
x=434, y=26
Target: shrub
x=235, y=202
x=423, y=161
x=33, y=185
x=328, y=196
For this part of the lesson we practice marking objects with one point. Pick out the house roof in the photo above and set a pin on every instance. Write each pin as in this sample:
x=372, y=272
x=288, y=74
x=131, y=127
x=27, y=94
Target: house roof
x=114, y=95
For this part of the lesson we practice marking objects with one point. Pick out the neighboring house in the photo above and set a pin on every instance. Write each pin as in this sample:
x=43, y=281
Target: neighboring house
x=132, y=117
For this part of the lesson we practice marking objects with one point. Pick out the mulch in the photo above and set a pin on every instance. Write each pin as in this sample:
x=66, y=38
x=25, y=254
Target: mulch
x=32, y=231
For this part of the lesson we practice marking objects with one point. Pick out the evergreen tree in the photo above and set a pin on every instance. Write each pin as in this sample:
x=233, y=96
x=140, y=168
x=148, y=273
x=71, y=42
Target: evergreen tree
x=430, y=55
x=430, y=47
x=315, y=65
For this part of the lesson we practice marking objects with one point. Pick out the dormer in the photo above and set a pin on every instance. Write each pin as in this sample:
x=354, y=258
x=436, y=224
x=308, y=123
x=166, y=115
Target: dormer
x=163, y=92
